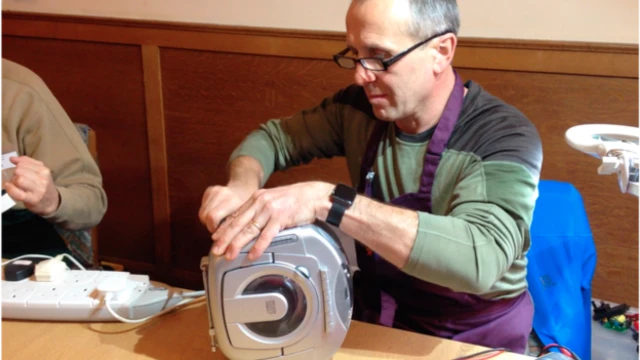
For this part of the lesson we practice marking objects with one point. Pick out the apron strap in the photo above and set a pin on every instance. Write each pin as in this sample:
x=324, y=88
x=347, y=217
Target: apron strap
x=436, y=147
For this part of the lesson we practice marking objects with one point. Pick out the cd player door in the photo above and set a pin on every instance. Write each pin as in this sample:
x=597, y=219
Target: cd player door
x=269, y=306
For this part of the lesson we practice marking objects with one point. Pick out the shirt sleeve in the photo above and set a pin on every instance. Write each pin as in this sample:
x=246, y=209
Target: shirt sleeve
x=44, y=131
x=309, y=134
x=476, y=240
x=479, y=241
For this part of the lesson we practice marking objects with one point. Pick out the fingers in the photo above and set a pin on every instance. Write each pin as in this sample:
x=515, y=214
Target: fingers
x=247, y=224
x=239, y=242
x=14, y=192
x=261, y=218
x=236, y=231
x=207, y=214
x=267, y=234
x=31, y=178
x=217, y=204
x=28, y=182
x=248, y=233
x=26, y=162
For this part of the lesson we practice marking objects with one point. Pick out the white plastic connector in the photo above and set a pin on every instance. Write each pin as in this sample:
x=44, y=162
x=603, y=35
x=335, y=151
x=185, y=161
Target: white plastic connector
x=610, y=165
x=112, y=284
x=115, y=288
x=52, y=270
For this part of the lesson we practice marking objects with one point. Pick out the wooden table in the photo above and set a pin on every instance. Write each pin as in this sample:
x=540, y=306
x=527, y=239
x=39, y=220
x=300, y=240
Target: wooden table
x=184, y=335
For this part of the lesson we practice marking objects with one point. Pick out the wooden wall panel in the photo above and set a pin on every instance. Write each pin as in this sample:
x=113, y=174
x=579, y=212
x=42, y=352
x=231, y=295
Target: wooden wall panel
x=101, y=85
x=227, y=96
x=554, y=103
x=157, y=155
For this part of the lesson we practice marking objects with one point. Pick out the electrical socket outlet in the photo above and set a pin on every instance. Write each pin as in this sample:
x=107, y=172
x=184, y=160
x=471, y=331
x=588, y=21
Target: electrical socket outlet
x=47, y=297
x=78, y=298
x=74, y=298
x=15, y=296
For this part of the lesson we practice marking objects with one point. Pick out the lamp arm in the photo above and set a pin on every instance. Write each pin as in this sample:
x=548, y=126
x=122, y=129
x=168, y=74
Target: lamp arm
x=616, y=145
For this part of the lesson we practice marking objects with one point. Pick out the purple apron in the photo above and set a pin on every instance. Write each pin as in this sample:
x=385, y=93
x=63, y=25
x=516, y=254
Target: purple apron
x=385, y=295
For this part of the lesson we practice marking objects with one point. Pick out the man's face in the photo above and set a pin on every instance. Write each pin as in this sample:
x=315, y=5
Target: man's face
x=377, y=28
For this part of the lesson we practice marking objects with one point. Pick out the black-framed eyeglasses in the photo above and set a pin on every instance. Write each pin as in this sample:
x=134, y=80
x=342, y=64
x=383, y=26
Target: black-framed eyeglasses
x=377, y=64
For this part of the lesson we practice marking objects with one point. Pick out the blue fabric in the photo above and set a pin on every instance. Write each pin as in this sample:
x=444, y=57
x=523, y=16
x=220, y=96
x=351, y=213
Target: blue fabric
x=562, y=260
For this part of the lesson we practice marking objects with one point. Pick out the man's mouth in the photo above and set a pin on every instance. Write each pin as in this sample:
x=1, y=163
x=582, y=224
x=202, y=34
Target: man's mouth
x=378, y=99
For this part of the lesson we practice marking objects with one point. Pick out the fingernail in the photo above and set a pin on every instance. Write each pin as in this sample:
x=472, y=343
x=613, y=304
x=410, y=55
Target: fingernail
x=216, y=250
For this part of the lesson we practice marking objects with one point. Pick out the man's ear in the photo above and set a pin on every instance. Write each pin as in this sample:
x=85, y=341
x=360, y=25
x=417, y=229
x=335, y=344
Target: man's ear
x=445, y=50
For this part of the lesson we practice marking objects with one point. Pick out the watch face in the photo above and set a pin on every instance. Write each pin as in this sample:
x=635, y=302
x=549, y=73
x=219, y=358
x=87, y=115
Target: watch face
x=344, y=194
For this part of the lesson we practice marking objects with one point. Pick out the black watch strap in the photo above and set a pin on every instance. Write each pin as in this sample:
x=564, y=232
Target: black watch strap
x=335, y=214
x=342, y=198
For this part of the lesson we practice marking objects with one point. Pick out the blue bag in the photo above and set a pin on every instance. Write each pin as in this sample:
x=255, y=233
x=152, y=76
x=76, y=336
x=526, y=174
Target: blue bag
x=562, y=260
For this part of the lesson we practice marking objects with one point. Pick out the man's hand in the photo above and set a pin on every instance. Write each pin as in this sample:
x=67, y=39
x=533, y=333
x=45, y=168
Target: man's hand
x=219, y=202
x=266, y=213
x=33, y=185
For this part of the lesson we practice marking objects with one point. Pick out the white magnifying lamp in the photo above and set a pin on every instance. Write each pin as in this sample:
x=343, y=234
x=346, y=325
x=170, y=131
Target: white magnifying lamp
x=616, y=145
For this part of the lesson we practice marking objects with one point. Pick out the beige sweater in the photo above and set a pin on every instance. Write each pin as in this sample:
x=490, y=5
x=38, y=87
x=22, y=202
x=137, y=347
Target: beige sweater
x=35, y=124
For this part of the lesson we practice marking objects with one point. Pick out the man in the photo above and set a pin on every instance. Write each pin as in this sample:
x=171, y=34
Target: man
x=446, y=176
x=56, y=183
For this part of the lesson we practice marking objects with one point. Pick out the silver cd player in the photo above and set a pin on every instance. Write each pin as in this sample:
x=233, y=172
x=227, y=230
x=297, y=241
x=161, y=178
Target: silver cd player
x=294, y=302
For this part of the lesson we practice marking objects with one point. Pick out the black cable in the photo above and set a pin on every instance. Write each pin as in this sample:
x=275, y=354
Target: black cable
x=497, y=350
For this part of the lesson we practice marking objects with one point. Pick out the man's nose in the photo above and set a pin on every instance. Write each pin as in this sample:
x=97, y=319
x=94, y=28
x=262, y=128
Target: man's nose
x=363, y=76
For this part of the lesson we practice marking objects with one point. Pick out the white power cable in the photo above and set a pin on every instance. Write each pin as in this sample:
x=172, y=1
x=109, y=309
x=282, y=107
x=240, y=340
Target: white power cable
x=25, y=256
x=193, y=294
x=38, y=256
x=74, y=261
x=183, y=302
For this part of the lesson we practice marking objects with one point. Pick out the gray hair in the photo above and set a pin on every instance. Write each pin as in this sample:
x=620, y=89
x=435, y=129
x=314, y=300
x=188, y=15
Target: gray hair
x=430, y=17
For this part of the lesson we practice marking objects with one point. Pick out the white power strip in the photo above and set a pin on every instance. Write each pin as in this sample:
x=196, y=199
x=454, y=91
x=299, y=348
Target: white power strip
x=77, y=298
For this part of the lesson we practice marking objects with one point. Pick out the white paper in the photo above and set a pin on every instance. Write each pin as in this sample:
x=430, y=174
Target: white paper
x=6, y=164
x=7, y=202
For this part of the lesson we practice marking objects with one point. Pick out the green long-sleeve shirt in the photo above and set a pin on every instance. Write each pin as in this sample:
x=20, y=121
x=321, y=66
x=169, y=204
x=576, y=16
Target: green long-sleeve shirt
x=476, y=238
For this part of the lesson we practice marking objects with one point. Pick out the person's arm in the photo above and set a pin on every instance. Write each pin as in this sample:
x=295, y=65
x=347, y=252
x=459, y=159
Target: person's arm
x=388, y=230
x=466, y=250
x=483, y=201
x=276, y=145
x=245, y=173
x=40, y=129
x=313, y=133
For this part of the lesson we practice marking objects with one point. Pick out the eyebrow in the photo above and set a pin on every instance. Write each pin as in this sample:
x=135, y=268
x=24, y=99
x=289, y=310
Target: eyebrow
x=371, y=49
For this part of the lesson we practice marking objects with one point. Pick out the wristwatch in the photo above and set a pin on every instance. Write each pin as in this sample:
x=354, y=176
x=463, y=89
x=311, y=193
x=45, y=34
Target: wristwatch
x=342, y=198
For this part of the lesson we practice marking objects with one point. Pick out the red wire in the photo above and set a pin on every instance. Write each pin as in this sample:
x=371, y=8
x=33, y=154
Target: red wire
x=562, y=350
